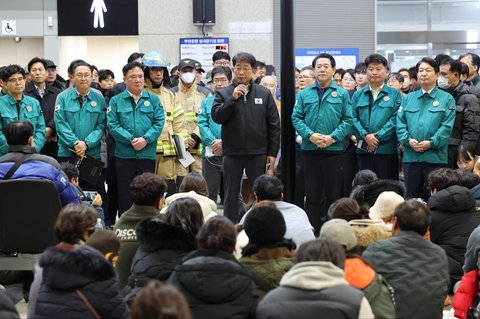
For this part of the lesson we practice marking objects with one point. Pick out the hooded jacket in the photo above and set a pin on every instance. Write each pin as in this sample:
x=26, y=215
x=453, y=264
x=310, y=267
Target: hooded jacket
x=162, y=248
x=85, y=269
x=312, y=289
x=215, y=285
x=453, y=220
x=268, y=266
x=7, y=308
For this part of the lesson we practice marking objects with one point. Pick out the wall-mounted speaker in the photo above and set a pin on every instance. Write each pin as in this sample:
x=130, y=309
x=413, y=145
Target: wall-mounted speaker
x=203, y=12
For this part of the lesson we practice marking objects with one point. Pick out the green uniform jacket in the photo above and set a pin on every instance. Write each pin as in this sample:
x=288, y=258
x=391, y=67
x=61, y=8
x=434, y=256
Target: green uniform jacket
x=377, y=116
x=79, y=123
x=30, y=111
x=209, y=129
x=127, y=121
x=426, y=118
x=330, y=116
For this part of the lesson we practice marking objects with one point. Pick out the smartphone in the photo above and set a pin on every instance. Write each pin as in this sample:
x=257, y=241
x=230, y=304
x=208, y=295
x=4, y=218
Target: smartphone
x=90, y=195
x=362, y=145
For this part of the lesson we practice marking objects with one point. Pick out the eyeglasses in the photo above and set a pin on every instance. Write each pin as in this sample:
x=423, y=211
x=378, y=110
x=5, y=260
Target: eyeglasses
x=220, y=81
x=305, y=77
x=83, y=76
x=219, y=63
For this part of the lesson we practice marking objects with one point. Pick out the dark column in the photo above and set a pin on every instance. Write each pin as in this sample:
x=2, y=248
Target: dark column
x=287, y=91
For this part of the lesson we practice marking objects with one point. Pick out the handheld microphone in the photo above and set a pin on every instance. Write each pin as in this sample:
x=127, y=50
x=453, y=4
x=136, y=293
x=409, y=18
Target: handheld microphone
x=245, y=96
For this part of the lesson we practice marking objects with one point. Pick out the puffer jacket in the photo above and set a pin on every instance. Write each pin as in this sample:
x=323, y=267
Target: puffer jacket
x=368, y=194
x=38, y=167
x=84, y=269
x=215, y=285
x=268, y=266
x=453, y=220
x=162, y=248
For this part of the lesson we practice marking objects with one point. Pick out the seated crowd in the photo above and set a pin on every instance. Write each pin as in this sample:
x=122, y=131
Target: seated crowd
x=385, y=257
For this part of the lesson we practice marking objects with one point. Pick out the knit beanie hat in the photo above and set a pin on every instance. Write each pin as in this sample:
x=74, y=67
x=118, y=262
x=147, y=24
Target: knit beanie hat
x=385, y=205
x=105, y=241
x=265, y=226
x=339, y=231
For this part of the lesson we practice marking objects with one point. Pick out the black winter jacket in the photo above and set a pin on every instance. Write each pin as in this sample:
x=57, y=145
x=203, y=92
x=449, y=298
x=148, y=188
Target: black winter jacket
x=162, y=248
x=47, y=102
x=250, y=126
x=453, y=220
x=466, y=128
x=85, y=269
x=368, y=194
x=216, y=285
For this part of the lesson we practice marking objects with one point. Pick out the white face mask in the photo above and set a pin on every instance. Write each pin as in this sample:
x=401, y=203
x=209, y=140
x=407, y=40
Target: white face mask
x=187, y=77
x=443, y=83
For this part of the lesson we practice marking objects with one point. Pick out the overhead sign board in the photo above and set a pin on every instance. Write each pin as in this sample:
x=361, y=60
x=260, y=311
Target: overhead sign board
x=202, y=49
x=345, y=58
x=97, y=17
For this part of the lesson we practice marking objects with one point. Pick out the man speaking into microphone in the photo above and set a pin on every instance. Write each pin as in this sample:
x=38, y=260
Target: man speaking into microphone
x=250, y=131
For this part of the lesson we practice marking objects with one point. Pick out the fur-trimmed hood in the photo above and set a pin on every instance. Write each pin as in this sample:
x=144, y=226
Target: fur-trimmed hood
x=367, y=235
x=368, y=194
x=72, y=268
x=154, y=234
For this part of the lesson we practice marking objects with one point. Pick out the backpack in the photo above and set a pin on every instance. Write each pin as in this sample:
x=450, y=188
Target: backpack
x=380, y=295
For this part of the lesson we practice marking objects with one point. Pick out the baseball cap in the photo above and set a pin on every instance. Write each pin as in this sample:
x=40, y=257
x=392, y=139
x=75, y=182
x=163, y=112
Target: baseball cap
x=50, y=64
x=339, y=231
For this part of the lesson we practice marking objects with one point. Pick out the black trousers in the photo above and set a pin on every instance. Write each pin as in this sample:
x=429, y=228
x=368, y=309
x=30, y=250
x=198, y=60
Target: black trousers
x=323, y=184
x=416, y=178
x=126, y=170
x=384, y=165
x=233, y=167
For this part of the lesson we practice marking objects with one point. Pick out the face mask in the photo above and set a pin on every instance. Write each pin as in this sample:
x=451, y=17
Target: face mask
x=406, y=84
x=188, y=77
x=443, y=83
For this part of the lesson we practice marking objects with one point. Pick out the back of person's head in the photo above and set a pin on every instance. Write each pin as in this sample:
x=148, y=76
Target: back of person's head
x=363, y=177
x=265, y=228
x=340, y=231
x=268, y=187
x=413, y=215
x=443, y=178
x=385, y=205
x=344, y=208
x=158, y=300
x=74, y=222
x=321, y=250
x=147, y=189
x=194, y=182
x=106, y=242
x=135, y=56
x=185, y=213
x=468, y=179
x=217, y=233
x=18, y=132
x=70, y=170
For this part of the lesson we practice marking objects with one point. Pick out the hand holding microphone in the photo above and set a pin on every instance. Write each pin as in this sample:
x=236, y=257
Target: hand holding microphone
x=240, y=90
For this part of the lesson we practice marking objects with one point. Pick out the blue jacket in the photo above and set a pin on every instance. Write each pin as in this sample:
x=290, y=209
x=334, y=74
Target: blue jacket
x=209, y=129
x=39, y=167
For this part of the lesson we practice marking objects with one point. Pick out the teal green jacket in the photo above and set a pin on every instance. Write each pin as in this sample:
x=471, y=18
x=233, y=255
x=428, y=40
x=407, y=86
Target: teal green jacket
x=31, y=111
x=426, y=118
x=127, y=121
x=209, y=129
x=377, y=116
x=330, y=116
x=79, y=123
